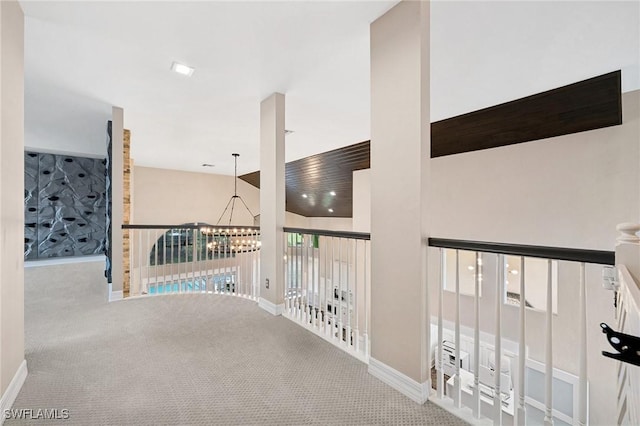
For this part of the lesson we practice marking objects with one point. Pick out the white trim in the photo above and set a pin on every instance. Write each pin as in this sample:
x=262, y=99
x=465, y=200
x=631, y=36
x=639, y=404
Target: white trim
x=418, y=392
x=115, y=295
x=465, y=413
x=9, y=396
x=271, y=307
x=63, y=260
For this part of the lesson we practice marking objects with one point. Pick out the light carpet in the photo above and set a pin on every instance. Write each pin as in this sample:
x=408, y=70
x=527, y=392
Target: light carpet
x=189, y=360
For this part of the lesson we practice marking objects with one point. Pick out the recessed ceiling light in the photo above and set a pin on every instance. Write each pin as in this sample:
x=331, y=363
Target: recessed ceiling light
x=182, y=69
x=304, y=195
x=330, y=210
x=332, y=193
x=207, y=165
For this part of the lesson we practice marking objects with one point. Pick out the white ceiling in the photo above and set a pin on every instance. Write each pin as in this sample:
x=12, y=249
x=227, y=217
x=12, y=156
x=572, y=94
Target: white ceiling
x=83, y=57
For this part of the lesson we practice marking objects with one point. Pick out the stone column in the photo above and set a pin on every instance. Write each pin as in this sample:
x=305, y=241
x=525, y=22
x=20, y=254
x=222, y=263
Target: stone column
x=272, y=200
x=400, y=155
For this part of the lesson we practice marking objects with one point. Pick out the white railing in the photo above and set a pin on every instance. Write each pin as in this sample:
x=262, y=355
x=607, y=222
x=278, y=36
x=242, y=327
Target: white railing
x=628, y=321
x=479, y=339
x=327, y=276
x=176, y=259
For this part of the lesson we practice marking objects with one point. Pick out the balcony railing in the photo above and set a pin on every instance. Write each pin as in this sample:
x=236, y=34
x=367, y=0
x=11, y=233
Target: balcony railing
x=193, y=258
x=327, y=276
x=487, y=369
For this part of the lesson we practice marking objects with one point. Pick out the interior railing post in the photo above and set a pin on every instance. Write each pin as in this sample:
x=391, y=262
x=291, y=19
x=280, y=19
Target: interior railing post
x=155, y=251
x=356, y=332
x=340, y=290
x=443, y=276
x=497, y=394
x=548, y=395
x=582, y=386
x=521, y=415
x=476, y=337
x=325, y=305
x=457, y=399
x=140, y=262
x=367, y=250
x=348, y=285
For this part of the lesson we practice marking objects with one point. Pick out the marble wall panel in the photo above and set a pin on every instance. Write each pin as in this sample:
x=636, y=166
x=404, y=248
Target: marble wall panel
x=65, y=205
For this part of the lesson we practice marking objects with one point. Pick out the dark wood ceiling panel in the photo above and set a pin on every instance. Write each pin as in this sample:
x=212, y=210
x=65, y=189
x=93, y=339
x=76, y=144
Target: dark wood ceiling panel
x=586, y=105
x=318, y=175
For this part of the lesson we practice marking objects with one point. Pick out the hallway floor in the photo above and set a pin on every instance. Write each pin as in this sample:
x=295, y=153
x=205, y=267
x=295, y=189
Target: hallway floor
x=189, y=359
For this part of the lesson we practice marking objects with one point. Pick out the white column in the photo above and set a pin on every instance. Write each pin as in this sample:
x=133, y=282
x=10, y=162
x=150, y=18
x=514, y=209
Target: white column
x=400, y=156
x=13, y=366
x=272, y=203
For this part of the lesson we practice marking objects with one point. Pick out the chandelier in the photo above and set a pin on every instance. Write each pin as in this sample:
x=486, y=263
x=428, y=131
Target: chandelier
x=228, y=239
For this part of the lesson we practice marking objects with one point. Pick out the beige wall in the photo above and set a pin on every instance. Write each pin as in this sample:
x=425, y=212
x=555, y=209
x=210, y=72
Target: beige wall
x=568, y=191
x=168, y=197
x=11, y=191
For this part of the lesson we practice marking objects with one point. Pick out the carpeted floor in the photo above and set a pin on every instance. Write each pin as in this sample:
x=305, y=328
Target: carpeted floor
x=189, y=359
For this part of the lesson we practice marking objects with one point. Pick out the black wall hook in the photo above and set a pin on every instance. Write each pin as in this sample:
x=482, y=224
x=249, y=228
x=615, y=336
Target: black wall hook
x=628, y=346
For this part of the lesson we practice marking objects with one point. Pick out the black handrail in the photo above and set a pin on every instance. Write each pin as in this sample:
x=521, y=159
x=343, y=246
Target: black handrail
x=326, y=233
x=191, y=226
x=600, y=257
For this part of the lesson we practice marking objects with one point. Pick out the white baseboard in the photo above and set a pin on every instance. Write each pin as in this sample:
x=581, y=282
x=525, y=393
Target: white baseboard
x=271, y=307
x=9, y=396
x=64, y=260
x=418, y=392
x=115, y=295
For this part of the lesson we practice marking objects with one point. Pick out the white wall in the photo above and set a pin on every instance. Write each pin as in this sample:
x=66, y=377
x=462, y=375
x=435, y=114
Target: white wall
x=11, y=193
x=331, y=223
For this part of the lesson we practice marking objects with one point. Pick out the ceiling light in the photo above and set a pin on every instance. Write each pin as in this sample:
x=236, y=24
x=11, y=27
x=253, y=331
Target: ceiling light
x=514, y=271
x=182, y=69
x=330, y=210
x=332, y=193
x=470, y=268
x=304, y=195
